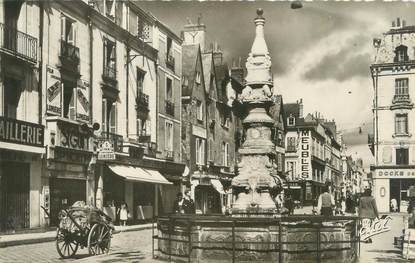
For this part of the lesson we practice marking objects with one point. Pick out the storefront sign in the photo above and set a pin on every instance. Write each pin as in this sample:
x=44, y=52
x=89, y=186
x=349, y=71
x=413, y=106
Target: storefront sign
x=395, y=173
x=21, y=132
x=72, y=136
x=374, y=227
x=305, y=154
x=106, y=151
x=54, y=93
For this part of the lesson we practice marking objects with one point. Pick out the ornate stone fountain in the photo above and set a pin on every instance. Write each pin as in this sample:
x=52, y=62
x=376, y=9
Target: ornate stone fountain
x=257, y=167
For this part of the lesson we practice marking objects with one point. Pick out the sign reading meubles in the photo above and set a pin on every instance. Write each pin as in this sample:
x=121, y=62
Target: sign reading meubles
x=21, y=132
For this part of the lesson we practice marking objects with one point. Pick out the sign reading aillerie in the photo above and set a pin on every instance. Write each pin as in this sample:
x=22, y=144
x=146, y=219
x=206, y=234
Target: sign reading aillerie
x=21, y=132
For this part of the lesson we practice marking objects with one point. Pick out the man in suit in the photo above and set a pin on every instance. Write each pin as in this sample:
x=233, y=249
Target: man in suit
x=368, y=210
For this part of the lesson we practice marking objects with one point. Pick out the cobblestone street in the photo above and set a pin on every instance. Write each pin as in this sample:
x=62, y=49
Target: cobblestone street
x=134, y=246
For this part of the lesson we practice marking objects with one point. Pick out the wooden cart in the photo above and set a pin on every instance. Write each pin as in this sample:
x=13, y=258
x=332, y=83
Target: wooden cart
x=84, y=227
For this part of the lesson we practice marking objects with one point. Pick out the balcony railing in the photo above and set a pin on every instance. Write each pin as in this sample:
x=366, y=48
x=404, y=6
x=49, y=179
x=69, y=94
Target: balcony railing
x=18, y=43
x=115, y=139
x=170, y=62
x=110, y=72
x=69, y=52
x=169, y=107
x=142, y=101
x=144, y=138
x=291, y=148
x=401, y=98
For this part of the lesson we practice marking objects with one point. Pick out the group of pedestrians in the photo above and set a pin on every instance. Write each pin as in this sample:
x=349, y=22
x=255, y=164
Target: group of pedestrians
x=184, y=203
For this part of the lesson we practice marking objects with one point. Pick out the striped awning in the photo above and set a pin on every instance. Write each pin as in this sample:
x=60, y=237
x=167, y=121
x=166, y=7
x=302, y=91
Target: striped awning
x=138, y=174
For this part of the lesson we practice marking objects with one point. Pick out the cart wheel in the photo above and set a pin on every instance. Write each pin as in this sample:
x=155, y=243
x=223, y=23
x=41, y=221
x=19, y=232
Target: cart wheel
x=99, y=239
x=65, y=244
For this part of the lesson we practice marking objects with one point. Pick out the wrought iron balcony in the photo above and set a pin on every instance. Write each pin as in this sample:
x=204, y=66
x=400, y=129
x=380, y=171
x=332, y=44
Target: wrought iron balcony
x=169, y=107
x=110, y=73
x=115, y=139
x=142, y=101
x=17, y=43
x=69, y=56
x=144, y=138
x=170, y=62
x=291, y=148
x=401, y=101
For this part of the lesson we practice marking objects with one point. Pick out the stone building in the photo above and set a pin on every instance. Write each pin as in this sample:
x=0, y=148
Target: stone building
x=209, y=124
x=393, y=145
x=21, y=120
x=312, y=157
x=96, y=89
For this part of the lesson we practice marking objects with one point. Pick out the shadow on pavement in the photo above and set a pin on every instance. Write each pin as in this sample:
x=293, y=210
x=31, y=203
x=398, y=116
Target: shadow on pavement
x=391, y=256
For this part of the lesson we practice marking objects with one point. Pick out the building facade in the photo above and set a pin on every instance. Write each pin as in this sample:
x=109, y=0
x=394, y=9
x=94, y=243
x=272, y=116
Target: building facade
x=312, y=155
x=82, y=92
x=392, y=74
x=22, y=131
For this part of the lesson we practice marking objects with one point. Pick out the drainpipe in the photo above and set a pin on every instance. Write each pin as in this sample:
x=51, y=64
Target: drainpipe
x=40, y=91
x=91, y=66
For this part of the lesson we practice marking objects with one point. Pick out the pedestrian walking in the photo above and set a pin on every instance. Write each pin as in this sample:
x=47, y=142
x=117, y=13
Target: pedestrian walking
x=350, y=203
x=325, y=203
x=289, y=204
x=123, y=212
x=368, y=210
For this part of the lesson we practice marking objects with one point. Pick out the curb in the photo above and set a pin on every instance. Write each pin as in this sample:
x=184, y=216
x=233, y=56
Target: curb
x=10, y=243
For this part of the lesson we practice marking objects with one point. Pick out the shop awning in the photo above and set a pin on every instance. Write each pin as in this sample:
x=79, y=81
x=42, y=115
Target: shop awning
x=138, y=174
x=217, y=185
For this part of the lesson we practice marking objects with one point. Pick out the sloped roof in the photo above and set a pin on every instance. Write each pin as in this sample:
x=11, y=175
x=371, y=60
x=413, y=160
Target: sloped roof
x=276, y=110
x=190, y=54
x=292, y=109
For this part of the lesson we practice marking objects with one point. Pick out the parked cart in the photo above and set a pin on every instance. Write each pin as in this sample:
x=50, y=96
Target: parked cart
x=83, y=226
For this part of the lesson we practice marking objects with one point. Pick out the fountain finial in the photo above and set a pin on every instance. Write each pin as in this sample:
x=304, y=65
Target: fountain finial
x=259, y=12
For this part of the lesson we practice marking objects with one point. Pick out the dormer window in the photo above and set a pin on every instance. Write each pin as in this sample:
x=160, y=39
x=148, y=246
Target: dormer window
x=401, y=54
x=291, y=121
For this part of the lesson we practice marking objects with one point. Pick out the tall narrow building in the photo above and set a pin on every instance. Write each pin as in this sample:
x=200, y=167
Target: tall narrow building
x=393, y=142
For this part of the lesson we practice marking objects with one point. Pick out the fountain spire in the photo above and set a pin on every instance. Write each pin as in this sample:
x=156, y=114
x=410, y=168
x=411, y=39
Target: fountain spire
x=257, y=169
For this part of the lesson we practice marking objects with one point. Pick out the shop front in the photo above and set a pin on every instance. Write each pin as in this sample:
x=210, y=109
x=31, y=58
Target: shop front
x=389, y=184
x=208, y=194
x=69, y=161
x=21, y=148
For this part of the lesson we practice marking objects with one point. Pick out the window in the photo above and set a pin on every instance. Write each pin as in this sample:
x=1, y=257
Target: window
x=401, y=123
x=110, y=59
x=225, y=154
x=169, y=89
x=200, y=151
x=291, y=144
x=401, y=54
x=168, y=141
x=140, y=80
x=68, y=31
x=279, y=162
x=226, y=121
x=109, y=116
x=291, y=121
x=197, y=77
x=199, y=109
x=12, y=94
x=110, y=8
x=69, y=100
x=402, y=156
x=169, y=47
x=291, y=170
x=143, y=127
x=401, y=86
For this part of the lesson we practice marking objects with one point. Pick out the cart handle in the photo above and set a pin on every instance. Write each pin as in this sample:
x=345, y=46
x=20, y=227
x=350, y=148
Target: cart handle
x=46, y=211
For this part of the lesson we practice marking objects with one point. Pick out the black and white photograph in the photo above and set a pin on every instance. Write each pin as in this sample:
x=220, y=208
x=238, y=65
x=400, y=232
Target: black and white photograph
x=207, y=131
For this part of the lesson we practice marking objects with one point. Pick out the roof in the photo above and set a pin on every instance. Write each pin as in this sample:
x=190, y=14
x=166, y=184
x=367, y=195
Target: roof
x=190, y=54
x=292, y=109
x=405, y=29
x=276, y=110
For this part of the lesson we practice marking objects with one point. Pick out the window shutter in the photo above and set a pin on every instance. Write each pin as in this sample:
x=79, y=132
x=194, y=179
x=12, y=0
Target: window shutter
x=63, y=30
x=104, y=115
x=72, y=110
x=113, y=118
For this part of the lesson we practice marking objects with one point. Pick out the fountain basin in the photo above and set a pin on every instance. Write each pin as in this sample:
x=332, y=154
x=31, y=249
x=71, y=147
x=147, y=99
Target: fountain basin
x=257, y=238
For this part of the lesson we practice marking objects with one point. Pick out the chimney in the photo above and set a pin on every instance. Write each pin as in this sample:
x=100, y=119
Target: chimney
x=217, y=55
x=300, y=108
x=194, y=34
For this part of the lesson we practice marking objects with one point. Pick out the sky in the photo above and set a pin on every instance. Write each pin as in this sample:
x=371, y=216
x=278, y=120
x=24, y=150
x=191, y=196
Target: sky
x=320, y=53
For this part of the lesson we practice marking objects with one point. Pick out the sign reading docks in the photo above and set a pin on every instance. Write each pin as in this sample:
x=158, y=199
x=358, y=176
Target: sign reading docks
x=106, y=151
